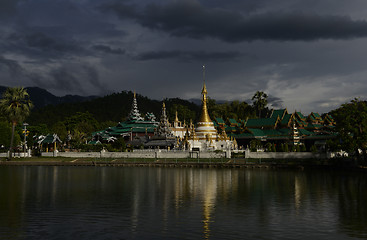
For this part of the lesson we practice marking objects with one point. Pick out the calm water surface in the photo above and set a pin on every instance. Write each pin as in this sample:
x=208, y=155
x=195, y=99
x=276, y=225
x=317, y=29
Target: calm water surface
x=180, y=203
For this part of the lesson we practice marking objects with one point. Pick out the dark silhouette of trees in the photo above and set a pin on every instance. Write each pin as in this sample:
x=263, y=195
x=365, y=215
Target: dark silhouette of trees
x=260, y=100
x=16, y=106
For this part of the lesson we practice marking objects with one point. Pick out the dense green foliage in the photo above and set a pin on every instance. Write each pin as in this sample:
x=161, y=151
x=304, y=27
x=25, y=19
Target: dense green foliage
x=351, y=124
x=15, y=106
x=260, y=101
x=5, y=135
x=114, y=107
x=237, y=110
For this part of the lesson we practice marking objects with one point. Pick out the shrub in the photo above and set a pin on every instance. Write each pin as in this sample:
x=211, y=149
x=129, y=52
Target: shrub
x=298, y=149
x=254, y=145
x=286, y=149
x=268, y=147
x=303, y=148
x=313, y=149
x=273, y=148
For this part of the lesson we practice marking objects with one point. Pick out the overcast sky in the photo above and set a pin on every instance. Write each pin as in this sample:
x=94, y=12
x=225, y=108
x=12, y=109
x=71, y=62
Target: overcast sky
x=307, y=55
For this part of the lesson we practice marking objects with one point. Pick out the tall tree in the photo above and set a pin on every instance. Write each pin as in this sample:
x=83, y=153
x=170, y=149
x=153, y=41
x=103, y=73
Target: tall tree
x=260, y=100
x=16, y=106
x=351, y=124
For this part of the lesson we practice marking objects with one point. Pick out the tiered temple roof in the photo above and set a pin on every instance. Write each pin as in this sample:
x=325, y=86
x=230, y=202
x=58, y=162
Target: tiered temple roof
x=163, y=137
x=281, y=126
x=135, y=125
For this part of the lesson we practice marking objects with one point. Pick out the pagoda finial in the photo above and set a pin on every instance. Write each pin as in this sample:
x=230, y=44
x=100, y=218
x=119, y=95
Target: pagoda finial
x=134, y=94
x=204, y=85
x=176, y=118
x=204, y=74
x=204, y=111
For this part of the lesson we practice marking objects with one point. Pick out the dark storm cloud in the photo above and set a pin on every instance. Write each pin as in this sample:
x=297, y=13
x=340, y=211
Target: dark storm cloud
x=108, y=49
x=46, y=43
x=275, y=102
x=191, y=19
x=189, y=55
x=40, y=46
x=66, y=80
x=72, y=78
x=8, y=8
x=12, y=66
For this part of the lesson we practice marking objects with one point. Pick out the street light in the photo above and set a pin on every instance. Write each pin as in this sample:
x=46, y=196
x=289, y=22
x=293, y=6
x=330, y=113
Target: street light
x=25, y=137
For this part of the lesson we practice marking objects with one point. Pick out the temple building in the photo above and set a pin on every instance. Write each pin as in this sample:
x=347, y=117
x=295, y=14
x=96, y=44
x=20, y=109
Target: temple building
x=178, y=128
x=163, y=136
x=205, y=136
x=281, y=128
x=135, y=129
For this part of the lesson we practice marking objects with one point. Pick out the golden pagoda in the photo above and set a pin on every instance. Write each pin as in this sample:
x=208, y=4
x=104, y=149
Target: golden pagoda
x=205, y=129
x=205, y=136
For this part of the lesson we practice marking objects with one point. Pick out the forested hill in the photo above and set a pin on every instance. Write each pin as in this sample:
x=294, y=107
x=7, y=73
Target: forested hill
x=114, y=107
x=52, y=110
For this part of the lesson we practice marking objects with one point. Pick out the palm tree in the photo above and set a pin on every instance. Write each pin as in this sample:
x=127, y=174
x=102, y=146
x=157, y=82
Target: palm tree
x=260, y=101
x=16, y=106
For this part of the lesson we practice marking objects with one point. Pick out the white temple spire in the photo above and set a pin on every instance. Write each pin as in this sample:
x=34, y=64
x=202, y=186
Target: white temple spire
x=134, y=113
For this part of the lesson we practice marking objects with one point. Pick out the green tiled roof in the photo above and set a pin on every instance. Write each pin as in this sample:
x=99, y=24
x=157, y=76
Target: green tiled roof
x=272, y=132
x=301, y=123
x=230, y=129
x=278, y=113
x=316, y=115
x=284, y=131
x=233, y=121
x=129, y=126
x=300, y=115
x=304, y=132
x=257, y=132
x=219, y=120
x=286, y=119
x=51, y=138
x=261, y=122
x=314, y=126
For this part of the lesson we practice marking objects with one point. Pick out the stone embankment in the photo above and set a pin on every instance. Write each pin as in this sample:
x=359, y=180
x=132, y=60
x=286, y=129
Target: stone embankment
x=166, y=164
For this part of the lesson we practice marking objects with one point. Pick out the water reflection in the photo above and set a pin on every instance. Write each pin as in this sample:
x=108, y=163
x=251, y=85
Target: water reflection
x=190, y=203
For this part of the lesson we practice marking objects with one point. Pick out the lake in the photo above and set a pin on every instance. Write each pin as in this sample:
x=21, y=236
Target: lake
x=180, y=203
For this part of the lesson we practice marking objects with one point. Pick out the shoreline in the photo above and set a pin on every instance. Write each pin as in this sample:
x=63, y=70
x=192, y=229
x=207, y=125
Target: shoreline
x=184, y=163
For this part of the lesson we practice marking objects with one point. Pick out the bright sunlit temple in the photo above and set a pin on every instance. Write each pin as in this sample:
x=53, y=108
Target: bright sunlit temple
x=281, y=128
x=149, y=133
x=205, y=135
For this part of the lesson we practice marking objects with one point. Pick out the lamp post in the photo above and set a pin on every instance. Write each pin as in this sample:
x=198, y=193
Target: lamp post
x=25, y=137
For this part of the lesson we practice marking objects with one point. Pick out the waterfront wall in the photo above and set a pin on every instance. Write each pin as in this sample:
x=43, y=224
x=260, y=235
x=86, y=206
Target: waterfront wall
x=138, y=154
x=283, y=155
x=186, y=154
x=16, y=154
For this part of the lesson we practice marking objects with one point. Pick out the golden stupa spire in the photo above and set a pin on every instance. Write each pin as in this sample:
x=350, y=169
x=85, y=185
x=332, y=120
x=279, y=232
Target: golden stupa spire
x=204, y=110
x=176, y=118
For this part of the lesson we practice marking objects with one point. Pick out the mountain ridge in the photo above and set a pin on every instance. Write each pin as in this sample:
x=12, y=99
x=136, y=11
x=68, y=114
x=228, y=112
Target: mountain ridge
x=42, y=98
